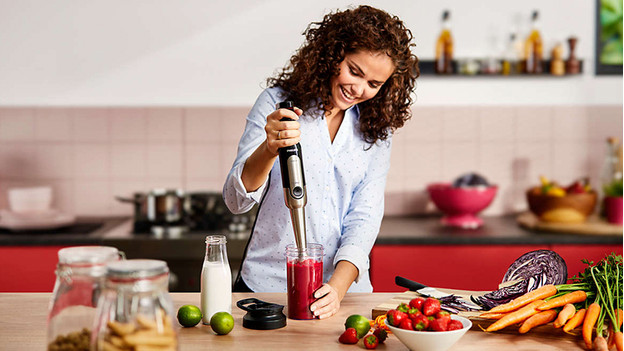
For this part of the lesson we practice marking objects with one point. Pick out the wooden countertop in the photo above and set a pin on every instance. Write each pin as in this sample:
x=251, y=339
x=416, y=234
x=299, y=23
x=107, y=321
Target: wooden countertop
x=23, y=327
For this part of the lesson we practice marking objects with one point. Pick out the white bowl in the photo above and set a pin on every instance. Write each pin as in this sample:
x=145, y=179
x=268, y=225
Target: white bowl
x=28, y=200
x=431, y=340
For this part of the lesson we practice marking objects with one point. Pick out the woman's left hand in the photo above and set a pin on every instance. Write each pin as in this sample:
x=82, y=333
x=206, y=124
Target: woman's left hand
x=327, y=305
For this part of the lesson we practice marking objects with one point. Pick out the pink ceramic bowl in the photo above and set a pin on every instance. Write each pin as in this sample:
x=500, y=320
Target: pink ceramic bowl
x=461, y=205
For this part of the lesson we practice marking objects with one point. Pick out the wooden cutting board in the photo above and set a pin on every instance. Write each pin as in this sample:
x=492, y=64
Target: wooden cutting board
x=408, y=295
x=593, y=226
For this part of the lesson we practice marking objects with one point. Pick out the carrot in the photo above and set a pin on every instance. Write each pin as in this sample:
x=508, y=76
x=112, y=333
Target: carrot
x=618, y=340
x=535, y=320
x=537, y=294
x=488, y=315
x=593, y=311
x=600, y=344
x=566, y=313
x=516, y=316
x=610, y=339
x=619, y=318
x=575, y=321
x=572, y=297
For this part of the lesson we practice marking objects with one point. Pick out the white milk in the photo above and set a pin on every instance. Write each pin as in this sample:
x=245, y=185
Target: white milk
x=216, y=289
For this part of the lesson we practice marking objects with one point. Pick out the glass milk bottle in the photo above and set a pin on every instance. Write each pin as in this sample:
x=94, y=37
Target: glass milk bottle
x=135, y=311
x=79, y=281
x=216, y=279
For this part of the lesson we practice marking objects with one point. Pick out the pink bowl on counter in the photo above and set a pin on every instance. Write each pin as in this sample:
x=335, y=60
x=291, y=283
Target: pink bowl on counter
x=461, y=205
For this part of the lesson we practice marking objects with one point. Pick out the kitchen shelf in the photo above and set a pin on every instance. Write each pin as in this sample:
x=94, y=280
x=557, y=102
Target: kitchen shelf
x=427, y=69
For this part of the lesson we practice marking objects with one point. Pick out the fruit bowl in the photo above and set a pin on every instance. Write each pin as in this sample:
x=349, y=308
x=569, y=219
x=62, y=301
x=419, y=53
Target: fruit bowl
x=431, y=340
x=461, y=205
x=571, y=208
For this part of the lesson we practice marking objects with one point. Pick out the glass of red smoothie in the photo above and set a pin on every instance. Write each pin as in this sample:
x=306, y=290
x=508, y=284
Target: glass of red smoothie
x=304, y=276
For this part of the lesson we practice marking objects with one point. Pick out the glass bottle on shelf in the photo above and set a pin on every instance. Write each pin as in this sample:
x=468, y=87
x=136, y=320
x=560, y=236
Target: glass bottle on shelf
x=444, y=47
x=80, y=275
x=510, y=57
x=557, y=66
x=533, y=50
x=612, y=167
x=216, y=279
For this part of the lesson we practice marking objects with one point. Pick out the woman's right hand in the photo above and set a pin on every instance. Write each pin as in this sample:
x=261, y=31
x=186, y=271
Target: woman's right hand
x=282, y=133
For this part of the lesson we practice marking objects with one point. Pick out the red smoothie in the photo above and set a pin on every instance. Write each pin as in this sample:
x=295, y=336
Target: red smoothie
x=304, y=277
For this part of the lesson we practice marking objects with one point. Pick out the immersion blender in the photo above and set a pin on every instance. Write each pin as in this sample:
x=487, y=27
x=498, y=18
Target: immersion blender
x=291, y=165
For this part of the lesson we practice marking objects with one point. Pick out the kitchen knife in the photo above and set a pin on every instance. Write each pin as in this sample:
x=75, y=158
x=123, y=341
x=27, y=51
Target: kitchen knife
x=428, y=291
x=418, y=287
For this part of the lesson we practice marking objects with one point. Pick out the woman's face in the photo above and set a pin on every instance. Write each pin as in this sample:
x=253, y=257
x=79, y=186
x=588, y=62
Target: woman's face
x=361, y=75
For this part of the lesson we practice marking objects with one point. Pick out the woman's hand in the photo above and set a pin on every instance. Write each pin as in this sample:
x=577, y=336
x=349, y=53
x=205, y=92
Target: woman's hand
x=282, y=133
x=328, y=302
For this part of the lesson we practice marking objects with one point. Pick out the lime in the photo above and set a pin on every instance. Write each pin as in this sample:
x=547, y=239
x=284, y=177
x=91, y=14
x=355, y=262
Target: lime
x=359, y=323
x=222, y=323
x=189, y=315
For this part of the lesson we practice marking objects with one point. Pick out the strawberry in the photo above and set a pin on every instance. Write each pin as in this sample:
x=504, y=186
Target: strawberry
x=417, y=302
x=431, y=306
x=395, y=317
x=455, y=324
x=439, y=324
x=349, y=336
x=403, y=307
x=407, y=324
x=443, y=314
x=413, y=312
x=371, y=341
x=421, y=322
x=381, y=334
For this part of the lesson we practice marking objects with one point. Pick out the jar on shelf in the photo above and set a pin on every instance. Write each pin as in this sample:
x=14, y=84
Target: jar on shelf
x=135, y=309
x=80, y=277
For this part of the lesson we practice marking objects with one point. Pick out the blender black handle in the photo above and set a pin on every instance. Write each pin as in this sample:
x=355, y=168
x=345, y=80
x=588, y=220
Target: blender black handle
x=288, y=151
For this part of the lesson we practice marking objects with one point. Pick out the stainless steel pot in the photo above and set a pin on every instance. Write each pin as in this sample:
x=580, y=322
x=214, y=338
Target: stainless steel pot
x=160, y=206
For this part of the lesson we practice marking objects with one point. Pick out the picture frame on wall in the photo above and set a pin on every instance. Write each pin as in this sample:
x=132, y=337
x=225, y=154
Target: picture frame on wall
x=608, y=37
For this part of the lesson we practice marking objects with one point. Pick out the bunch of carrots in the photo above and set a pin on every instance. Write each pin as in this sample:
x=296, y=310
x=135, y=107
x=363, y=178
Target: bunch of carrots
x=593, y=301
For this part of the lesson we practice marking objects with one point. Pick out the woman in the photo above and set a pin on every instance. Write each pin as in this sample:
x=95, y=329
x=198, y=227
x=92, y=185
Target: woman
x=351, y=80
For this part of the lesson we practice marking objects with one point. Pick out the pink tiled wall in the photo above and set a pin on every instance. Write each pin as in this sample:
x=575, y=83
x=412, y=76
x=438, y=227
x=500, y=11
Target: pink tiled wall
x=90, y=155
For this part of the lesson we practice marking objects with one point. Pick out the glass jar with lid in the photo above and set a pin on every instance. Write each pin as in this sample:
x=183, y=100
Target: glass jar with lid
x=135, y=310
x=80, y=276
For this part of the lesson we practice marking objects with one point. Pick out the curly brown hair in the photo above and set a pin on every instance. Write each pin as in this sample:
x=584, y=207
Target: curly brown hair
x=306, y=78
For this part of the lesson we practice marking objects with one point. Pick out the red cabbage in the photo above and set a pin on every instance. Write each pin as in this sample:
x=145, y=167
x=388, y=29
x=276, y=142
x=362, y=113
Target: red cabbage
x=529, y=272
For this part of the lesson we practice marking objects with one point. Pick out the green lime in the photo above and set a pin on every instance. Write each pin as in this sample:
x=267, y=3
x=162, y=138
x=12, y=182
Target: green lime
x=359, y=323
x=189, y=315
x=222, y=323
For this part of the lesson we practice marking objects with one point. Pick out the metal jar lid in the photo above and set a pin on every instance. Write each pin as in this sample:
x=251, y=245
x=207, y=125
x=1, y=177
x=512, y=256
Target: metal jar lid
x=136, y=269
x=89, y=255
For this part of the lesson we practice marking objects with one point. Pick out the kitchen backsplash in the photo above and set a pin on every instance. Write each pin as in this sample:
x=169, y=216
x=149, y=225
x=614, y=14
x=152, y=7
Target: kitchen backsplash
x=90, y=155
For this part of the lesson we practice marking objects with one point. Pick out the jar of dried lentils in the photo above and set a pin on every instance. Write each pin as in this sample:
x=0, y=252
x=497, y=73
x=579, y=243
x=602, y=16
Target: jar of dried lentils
x=80, y=277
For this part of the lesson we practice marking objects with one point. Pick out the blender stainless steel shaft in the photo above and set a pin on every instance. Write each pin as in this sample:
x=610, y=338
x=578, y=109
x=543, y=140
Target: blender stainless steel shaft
x=293, y=180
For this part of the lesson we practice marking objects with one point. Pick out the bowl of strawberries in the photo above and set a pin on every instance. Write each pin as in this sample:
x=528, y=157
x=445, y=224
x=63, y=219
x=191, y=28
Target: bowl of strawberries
x=422, y=325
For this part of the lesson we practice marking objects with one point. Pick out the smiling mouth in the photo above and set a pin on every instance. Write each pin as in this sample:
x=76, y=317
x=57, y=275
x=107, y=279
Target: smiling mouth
x=347, y=96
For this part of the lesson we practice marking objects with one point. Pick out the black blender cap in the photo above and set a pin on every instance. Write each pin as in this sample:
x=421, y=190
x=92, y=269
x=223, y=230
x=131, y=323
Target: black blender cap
x=262, y=315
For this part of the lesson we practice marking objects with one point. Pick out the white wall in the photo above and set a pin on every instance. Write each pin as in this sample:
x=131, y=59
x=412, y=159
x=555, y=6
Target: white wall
x=198, y=52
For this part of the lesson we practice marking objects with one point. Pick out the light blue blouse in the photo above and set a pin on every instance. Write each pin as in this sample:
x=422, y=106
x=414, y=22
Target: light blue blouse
x=345, y=183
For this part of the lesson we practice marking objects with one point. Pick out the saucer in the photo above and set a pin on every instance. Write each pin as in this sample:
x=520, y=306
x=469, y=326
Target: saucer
x=22, y=221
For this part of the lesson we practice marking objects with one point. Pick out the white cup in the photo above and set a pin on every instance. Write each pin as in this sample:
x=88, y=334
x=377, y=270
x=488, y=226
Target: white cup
x=30, y=200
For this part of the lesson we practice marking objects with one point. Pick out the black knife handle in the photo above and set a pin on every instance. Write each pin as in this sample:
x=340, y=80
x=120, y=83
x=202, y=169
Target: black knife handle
x=406, y=283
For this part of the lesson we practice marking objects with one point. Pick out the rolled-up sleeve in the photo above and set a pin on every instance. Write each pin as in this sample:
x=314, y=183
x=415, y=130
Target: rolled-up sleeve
x=236, y=197
x=363, y=219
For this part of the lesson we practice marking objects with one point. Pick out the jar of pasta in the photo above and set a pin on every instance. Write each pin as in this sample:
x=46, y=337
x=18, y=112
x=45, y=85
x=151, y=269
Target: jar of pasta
x=135, y=310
